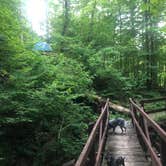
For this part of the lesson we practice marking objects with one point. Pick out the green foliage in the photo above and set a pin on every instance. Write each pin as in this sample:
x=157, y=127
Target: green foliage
x=41, y=90
x=111, y=83
x=99, y=47
x=38, y=109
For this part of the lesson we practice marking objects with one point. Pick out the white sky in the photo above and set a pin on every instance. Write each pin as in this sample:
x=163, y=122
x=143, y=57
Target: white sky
x=162, y=24
x=36, y=14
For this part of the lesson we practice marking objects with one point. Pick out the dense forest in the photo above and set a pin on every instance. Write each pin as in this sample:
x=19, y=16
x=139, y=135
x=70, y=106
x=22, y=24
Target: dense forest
x=107, y=48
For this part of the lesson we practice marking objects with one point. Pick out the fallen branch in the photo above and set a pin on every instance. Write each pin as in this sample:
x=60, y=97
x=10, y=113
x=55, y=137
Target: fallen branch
x=116, y=107
x=119, y=108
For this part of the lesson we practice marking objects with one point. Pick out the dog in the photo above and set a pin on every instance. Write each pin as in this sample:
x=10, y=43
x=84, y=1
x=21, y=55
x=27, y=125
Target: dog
x=110, y=159
x=120, y=161
x=114, y=161
x=117, y=122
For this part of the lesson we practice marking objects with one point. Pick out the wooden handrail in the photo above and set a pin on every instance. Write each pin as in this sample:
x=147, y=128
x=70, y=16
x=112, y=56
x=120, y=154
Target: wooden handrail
x=143, y=129
x=156, y=110
x=101, y=127
x=148, y=101
x=98, y=157
x=153, y=100
x=157, y=128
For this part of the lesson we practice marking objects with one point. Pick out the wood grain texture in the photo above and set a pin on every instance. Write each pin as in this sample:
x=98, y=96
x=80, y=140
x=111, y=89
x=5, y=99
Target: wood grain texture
x=126, y=145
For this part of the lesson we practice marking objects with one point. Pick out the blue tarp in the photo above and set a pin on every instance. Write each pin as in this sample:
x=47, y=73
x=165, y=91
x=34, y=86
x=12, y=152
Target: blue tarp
x=42, y=46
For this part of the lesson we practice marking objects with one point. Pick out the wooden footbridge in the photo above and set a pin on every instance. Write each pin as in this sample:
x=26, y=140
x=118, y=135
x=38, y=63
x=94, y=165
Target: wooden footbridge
x=137, y=145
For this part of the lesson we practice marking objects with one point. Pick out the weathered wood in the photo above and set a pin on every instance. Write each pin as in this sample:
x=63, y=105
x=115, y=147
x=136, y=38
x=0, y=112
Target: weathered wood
x=143, y=131
x=93, y=137
x=126, y=145
x=92, y=153
x=137, y=164
x=151, y=122
x=163, y=152
x=119, y=108
x=98, y=157
x=141, y=124
x=101, y=130
x=146, y=130
x=152, y=100
x=156, y=110
x=116, y=107
x=154, y=157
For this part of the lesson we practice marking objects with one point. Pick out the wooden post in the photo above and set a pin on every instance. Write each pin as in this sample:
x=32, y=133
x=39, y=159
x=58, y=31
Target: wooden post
x=163, y=152
x=135, y=113
x=101, y=131
x=147, y=135
x=142, y=125
x=137, y=119
x=131, y=110
x=163, y=149
x=146, y=130
x=142, y=105
x=104, y=125
x=101, y=127
x=92, y=155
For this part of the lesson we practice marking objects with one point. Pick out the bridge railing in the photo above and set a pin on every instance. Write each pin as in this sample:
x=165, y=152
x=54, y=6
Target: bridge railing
x=91, y=154
x=142, y=121
x=150, y=101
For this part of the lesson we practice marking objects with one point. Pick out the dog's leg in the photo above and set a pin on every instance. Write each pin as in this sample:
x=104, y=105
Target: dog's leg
x=113, y=130
x=125, y=129
x=121, y=128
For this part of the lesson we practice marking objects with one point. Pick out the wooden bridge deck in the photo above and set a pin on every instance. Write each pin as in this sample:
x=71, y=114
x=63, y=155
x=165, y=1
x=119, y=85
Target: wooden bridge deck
x=126, y=145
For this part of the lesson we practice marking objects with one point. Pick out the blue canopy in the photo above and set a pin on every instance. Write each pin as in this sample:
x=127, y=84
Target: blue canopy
x=42, y=46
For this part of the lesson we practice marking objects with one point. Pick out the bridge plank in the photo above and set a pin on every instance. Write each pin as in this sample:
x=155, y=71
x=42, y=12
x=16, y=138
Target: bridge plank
x=126, y=145
x=136, y=164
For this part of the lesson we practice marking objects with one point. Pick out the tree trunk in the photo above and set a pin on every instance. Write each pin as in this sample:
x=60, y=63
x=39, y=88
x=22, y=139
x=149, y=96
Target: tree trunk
x=147, y=46
x=153, y=56
x=66, y=17
x=150, y=48
x=120, y=33
x=91, y=25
